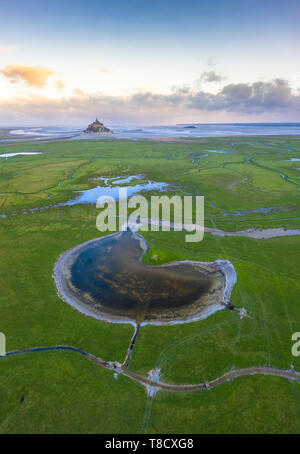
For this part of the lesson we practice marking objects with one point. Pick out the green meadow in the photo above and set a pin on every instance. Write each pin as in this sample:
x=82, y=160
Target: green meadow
x=62, y=392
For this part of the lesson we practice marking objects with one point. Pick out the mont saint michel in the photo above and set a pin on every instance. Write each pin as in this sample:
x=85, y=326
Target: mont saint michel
x=97, y=128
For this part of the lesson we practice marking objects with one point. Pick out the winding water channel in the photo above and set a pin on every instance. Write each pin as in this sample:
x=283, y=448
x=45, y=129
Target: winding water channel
x=162, y=386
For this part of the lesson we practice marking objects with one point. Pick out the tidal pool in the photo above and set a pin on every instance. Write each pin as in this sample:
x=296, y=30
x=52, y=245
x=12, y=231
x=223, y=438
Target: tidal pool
x=23, y=153
x=110, y=187
x=219, y=151
x=105, y=278
x=244, y=212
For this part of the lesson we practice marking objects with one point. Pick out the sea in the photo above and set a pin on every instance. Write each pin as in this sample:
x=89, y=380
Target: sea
x=151, y=132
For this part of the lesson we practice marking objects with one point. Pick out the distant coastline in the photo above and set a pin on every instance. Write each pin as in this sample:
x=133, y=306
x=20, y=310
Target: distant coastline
x=166, y=132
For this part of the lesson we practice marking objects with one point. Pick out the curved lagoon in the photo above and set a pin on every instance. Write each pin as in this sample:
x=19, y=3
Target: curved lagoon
x=105, y=278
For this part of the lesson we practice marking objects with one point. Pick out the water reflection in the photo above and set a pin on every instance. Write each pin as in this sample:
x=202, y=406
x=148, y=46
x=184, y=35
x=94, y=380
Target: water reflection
x=107, y=278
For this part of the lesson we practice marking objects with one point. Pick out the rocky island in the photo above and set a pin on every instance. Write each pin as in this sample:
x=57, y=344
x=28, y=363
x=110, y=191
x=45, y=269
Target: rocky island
x=97, y=128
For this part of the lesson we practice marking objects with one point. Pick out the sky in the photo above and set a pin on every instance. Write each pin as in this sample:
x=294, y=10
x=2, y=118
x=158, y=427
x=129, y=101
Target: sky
x=149, y=62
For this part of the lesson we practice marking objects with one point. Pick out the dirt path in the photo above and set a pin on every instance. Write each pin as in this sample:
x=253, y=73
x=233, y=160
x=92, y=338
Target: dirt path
x=162, y=386
x=131, y=346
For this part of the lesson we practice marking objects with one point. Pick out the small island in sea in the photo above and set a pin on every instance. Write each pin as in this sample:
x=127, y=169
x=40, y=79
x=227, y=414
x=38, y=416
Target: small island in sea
x=97, y=128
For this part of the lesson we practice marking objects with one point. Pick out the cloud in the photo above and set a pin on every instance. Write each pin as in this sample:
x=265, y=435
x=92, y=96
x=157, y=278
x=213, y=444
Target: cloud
x=60, y=85
x=258, y=97
x=78, y=91
x=237, y=91
x=7, y=49
x=34, y=76
x=211, y=76
x=273, y=99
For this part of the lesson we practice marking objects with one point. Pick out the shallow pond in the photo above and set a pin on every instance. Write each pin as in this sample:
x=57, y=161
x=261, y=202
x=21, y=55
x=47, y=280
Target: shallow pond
x=110, y=187
x=25, y=153
x=219, y=151
x=106, y=278
x=244, y=212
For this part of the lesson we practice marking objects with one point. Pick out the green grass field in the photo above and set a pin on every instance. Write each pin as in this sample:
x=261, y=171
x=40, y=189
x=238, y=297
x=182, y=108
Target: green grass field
x=65, y=393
